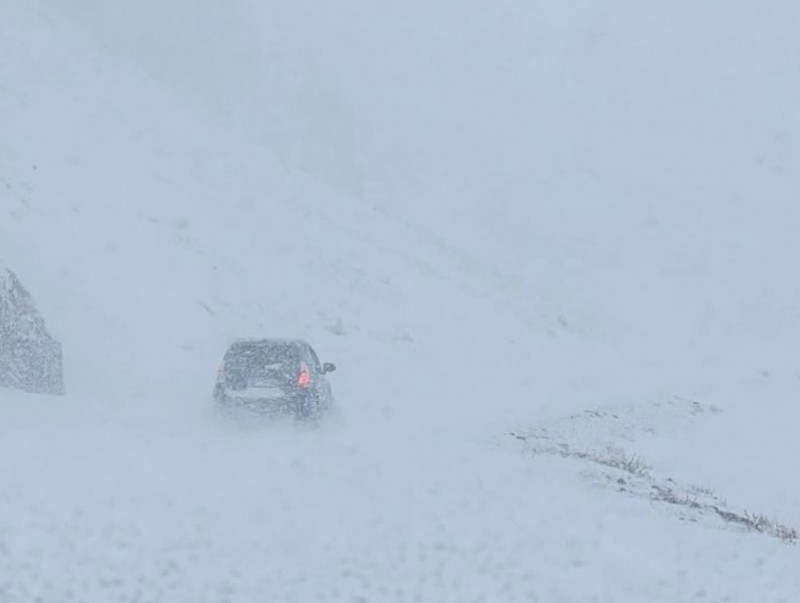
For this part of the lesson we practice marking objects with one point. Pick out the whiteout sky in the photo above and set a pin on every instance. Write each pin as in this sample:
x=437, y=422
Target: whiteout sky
x=489, y=218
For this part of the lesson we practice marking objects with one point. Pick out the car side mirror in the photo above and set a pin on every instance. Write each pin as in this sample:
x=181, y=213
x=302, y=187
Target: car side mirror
x=328, y=367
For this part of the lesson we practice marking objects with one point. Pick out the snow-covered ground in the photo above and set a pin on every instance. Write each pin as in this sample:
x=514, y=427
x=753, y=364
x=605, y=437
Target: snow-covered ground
x=572, y=224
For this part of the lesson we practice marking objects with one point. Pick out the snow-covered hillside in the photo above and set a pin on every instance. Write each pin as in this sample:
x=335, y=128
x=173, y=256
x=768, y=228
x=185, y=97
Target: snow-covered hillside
x=493, y=222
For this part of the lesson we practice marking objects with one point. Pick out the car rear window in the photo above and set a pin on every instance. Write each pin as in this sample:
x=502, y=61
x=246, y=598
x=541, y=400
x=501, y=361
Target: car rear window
x=255, y=358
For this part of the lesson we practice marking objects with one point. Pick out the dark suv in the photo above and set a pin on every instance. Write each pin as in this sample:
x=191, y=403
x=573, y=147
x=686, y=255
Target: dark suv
x=274, y=376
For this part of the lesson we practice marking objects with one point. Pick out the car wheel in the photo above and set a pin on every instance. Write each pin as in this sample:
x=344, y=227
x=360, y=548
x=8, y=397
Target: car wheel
x=307, y=409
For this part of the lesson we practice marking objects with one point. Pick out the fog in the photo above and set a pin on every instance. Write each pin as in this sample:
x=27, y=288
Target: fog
x=571, y=222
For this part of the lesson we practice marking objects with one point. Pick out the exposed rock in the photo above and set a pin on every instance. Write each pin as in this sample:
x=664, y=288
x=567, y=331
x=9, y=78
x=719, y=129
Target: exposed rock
x=30, y=358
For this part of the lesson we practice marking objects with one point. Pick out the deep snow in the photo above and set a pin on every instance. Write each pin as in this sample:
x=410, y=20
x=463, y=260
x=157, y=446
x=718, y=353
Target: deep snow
x=490, y=222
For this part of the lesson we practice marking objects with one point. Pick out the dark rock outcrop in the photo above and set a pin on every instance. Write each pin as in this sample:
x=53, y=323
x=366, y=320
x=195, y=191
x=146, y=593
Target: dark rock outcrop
x=30, y=358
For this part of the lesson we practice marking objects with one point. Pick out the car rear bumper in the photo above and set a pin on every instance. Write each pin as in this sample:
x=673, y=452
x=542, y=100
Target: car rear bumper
x=302, y=405
x=263, y=405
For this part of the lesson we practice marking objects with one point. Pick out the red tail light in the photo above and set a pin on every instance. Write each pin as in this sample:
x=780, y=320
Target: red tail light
x=303, y=378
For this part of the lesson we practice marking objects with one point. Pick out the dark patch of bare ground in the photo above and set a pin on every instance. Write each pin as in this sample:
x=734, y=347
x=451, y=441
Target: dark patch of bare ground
x=630, y=474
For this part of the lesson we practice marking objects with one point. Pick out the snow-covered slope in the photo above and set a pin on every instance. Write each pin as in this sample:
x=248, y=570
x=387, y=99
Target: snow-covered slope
x=489, y=221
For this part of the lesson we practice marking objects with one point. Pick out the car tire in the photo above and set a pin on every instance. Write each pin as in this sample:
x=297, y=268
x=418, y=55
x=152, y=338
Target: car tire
x=307, y=409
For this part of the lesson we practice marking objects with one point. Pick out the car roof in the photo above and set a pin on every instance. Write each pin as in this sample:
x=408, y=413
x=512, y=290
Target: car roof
x=267, y=342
